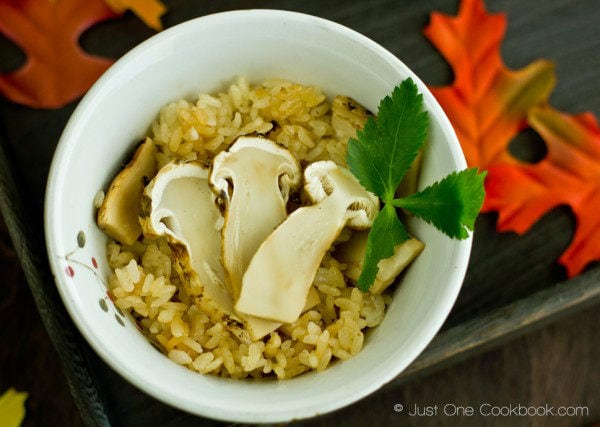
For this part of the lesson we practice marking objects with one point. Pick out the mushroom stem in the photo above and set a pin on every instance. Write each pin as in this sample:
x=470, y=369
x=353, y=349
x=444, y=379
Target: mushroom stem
x=253, y=213
x=297, y=246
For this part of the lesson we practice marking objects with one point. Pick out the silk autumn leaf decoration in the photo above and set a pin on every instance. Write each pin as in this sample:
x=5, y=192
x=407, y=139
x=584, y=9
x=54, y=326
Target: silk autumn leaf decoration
x=57, y=70
x=488, y=104
x=148, y=11
x=568, y=175
x=12, y=407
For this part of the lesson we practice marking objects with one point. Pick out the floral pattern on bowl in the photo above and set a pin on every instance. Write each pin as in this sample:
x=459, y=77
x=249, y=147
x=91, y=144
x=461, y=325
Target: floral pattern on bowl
x=105, y=302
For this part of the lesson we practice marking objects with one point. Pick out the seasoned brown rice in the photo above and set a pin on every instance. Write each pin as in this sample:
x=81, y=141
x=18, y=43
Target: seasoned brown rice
x=145, y=283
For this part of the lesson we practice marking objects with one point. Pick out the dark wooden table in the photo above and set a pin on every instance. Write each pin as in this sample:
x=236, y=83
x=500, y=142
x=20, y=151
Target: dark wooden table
x=510, y=287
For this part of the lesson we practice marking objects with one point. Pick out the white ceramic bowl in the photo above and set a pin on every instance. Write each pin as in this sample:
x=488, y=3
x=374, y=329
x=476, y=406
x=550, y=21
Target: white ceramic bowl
x=204, y=55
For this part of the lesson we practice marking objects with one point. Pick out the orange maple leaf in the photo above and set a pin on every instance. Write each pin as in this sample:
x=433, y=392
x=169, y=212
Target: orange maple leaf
x=57, y=70
x=149, y=11
x=568, y=175
x=487, y=103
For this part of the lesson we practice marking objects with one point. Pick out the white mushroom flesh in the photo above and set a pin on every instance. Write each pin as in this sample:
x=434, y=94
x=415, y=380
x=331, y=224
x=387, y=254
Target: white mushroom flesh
x=261, y=174
x=352, y=254
x=277, y=281
x=183, y=207
x=260, y=328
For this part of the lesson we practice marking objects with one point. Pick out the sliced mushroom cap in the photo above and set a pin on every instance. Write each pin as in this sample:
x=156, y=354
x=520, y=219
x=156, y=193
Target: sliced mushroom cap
x=179, y=204
x=281, y=272
x=352, y=253
x=326, y=179
x=118, y=215
x=255, y=178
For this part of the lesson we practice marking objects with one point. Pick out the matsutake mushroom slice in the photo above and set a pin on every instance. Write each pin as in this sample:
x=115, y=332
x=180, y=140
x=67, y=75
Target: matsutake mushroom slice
x=281, y=272
x=254, y=177
x=260, y=328
x=118, y=215
x=352, y=253
x=179, y=204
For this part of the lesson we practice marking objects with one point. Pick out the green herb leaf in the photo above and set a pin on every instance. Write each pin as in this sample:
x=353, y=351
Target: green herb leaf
x=386, y=233
x=451, y=204
x=380, y=156
x=386, y=147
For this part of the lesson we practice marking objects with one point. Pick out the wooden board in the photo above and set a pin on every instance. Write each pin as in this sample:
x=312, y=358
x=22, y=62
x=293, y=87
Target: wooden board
x=513, y=284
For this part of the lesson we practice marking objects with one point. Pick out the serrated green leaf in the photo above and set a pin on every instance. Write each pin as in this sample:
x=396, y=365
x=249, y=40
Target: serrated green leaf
x=380, y=156
x=386, y=233
x=451, y=205
x=387, y=145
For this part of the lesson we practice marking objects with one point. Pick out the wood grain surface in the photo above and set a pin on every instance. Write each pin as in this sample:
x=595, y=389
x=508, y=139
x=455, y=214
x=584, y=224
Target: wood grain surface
x=511, y=278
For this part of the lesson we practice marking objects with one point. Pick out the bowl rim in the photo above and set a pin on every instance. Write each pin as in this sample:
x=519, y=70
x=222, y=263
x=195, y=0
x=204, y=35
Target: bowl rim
x=53, y=191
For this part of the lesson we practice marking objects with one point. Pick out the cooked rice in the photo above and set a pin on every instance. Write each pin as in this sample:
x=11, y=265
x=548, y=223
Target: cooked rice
x=145, y=283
